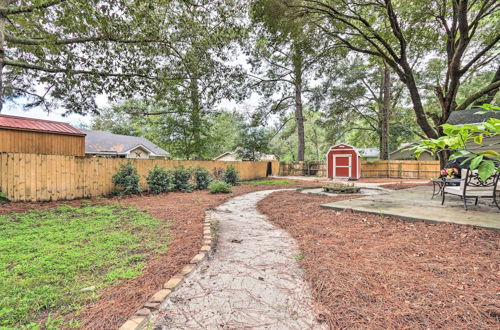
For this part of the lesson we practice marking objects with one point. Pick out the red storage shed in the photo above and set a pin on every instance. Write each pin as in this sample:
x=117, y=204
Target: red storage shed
x=343, y=161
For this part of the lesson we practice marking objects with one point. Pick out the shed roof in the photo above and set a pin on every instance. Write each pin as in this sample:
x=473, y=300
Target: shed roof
x=99, y=142
x=38, y=125
x=469, y=116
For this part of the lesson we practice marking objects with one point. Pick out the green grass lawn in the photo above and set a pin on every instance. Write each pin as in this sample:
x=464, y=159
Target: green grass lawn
x=269, y=182
x=47, y=257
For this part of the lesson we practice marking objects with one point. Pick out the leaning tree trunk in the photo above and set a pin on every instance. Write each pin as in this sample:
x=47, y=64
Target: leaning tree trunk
x=385, y=111
x=299, y=115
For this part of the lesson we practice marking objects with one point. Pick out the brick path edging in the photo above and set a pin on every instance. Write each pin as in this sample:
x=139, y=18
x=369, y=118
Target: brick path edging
x=141, y=318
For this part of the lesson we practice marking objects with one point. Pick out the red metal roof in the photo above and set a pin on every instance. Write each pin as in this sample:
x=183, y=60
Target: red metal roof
x=39, y=125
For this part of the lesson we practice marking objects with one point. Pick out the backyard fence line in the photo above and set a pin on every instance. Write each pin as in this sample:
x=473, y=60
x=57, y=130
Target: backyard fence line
x=37, y=177
x=401, y=169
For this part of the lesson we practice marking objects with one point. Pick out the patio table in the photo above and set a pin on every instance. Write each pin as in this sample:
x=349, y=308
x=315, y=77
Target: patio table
x=439, y=184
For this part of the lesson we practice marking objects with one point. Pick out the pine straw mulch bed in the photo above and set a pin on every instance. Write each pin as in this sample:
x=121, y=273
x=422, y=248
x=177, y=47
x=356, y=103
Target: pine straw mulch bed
x=187, y=210
x=404, y=185
x=369, y=271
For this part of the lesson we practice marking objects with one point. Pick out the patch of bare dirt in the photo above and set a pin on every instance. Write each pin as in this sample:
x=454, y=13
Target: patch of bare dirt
x=404, y=185
x=21, y=207
x=373, y=272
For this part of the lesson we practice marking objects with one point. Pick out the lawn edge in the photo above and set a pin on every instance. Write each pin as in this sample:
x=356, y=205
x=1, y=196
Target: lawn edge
x=142, y=318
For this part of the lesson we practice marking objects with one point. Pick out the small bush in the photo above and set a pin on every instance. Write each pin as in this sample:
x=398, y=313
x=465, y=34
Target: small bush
x=231, y=176
x=181, y=178
x=219, y=187
x=202, y=178
x=218, y=173
x=127, y=180
x=3, y=198
x=160, y=180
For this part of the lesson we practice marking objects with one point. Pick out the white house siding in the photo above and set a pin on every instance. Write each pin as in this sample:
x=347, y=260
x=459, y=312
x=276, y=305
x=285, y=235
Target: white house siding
x=138, y=153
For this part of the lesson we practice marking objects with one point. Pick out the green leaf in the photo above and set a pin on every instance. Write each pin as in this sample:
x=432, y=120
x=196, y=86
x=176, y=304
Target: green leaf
x=478, y=139
x=489, y=153
x=459, y=153
x=468, y=159
x=475, y=162
x=486, y=169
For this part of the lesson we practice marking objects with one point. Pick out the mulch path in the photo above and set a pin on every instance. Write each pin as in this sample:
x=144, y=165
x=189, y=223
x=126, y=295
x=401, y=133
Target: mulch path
x=187, y=210
x=369, y=271
x=403, y=185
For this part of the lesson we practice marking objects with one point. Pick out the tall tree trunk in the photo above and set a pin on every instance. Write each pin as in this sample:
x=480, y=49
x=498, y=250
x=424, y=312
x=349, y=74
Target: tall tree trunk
x=299, y=115
x=196, y=119
x=4, y=4
x=385, y=112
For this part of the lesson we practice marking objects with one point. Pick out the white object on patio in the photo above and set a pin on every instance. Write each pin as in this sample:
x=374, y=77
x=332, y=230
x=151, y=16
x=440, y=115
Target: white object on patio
x=471, y=186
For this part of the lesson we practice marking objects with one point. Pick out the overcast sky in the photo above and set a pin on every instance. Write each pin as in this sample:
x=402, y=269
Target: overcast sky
x=16, y=109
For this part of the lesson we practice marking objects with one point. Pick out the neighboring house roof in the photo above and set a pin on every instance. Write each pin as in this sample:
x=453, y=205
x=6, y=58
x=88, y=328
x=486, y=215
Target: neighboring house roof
x=236, y=156
x=405, y=146
x=469, y=116
x=100, y=142
x=225, y=154
x=369, y=152
x=38, y=125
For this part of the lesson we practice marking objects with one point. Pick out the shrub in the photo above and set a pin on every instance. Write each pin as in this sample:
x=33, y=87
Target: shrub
x=218, y=173
x=218, y=187
x=181, y=178
x=160, y=180
x=3, y=198
x=127, y=180
x=231, y=176
x=202, y=178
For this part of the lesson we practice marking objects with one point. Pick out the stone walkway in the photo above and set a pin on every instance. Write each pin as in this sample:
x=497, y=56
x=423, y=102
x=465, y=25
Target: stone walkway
x=251, y=281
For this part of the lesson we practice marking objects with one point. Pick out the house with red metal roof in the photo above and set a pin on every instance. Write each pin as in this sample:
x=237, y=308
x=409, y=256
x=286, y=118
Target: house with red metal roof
x=38, y=136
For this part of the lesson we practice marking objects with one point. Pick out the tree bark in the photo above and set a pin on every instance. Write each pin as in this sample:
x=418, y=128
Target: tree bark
x=196, y=119
x=385, y=112
x=489, y=97
x=299, y=115
x=3, y=4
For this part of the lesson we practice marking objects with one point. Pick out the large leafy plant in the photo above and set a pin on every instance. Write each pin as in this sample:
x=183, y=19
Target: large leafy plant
x=462, y=139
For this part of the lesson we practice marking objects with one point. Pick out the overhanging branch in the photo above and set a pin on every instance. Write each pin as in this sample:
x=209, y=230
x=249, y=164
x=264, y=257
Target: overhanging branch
x=11, y=10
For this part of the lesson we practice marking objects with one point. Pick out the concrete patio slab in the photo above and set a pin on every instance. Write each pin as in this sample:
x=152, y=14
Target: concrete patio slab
x=415, y=204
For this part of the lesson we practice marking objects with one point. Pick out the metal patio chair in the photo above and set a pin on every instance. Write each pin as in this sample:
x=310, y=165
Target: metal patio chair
x=471, y=186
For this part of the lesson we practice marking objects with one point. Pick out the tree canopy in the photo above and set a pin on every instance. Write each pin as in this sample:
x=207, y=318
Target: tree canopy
x=300, y=74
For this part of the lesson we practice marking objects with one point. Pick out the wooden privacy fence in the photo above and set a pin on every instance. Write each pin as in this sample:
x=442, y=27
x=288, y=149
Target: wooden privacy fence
x=35, y=177
x=404, y=169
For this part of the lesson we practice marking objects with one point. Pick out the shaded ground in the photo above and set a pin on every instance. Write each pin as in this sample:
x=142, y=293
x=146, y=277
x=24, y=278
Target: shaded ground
x=187, y=210
x=375, y=272
x=252, y=280
x=416, y=204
